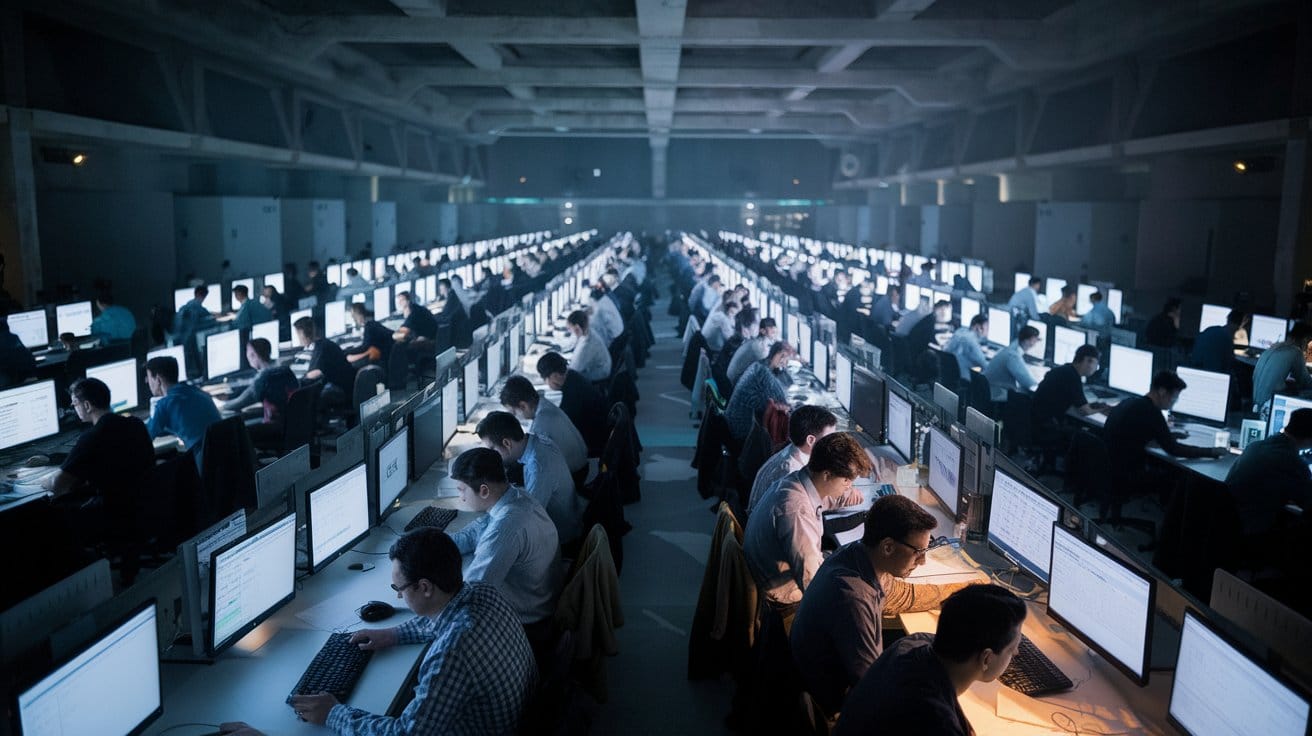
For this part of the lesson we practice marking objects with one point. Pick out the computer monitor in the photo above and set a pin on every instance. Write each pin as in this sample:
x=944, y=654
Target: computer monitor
x=494, y=364
x=803, y=341
x=1115, y=297
x=334, y=319
x=820, y=362
x=910, y=296
x=1213, y=315
x=273, y=480
x=222, y=353
x=1052, y=289
x=1103, y=601
x=944, y=469
x=1131, y=370
x=1264, y=331
x=175, y=352
x=1219, y=690
x=969, y=308
x=999, y=326
x=1205, y=396
x=975, y=275
x=382, y=303
x=1020, y=524
x=123, y=379
x=369, y=408
x=393, y=471
x=276, y=281
x=450, y=404
x=1065, y=341
x=299, y=314
x=268, y=331
x=338, y=516
x=182, y=296
x=898, y=429
x=112, y=686
x=334, y=274
x=948, y=401
x=982, y=426
x=1021, y=281
x=32, y=328
x=470, y=386
x=1039, y=349
x=777, y=311
x=868, y=401
x=27, y=412
x=843, y=383
x=790, y=324
x=430, y=285
x=249, y=580
x=1082, y=293
x=250, y=292
x=75, y=318
x=1281, y=407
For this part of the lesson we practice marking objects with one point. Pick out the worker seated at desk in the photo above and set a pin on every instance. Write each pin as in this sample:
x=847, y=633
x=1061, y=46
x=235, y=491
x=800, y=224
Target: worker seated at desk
x=1060, y=391
x=1100, y=316
x=513, y=542
x=478, y=671
x=1064, y=307
x=547, y=479
x=806, y=426
x=762, y=382
x=1163, y=329
x=1281, y=366
x=753, y=349
x=579, y=399
x=1024, y=304
x=967, y=344
x=114, y=323
x=16, y=361
x=838, y=631
x=914, y=685
x=519, y=396
x=273, y=385
x=782, y=541
x=590, y=357
x=1270, y=474
x=375, y=341
x=1214, y=347
x=418, y=333
x=935, y=329
x=605, y=315
x=182, y=410
x=910, y=319
x=1008, y=371
x=884, y=312
x=249, y=311
x=112, y=458
x=189, y=320
x=745, y=326
x=453, y=318
x=720, y=323
x=327, y=362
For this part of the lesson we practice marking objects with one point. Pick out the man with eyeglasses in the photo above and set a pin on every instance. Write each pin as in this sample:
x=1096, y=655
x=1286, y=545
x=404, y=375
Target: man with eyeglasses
x=837, y=634
x=478, y=671
x=782, y=540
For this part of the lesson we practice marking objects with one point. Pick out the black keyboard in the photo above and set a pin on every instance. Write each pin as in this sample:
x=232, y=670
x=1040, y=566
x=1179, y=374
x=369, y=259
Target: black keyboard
x=1032, y=673
x=335, y=669
x=432, y=516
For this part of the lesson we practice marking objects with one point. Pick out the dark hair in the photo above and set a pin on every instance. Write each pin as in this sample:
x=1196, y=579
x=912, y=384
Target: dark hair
x=1027, y=332
x=1035, y=281
x=261, y=347
x=976, y=618
x=500, y=426
x=1168, y=380
x=517, y=389
x=713, y=279
x=360, y=308
x=840, y=454
x=727, y=300
x=92, y=390
x=979, y=319
x=767, y=322
x=444, y=282
x=478, y=465
x=200, y=292
x=405, y=294
x=745, y=318
x=239, y=289
x=942, y=303
x=1300, y=332
x=809, y=420
x=428, y=554
x=1300, y=424
x=552, y=363
x=578, y=318
x=895, y=517
x=1087, y=351
x=306, y=325
x=1095, y=296
x=164, y=366
x=352, y=272
x=1171, y=304
x=777, y=348
x=1236, y=317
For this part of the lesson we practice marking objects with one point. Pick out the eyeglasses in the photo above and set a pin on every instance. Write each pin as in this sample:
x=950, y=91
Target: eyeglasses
x=934, y=543
x=401, y=589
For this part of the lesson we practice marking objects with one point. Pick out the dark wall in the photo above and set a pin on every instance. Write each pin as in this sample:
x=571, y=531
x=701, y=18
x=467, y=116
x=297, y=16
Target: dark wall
x=737, y=168
x=563, y=167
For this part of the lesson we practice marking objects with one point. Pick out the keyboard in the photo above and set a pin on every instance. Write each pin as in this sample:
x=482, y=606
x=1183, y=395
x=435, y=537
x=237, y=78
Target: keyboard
x=432, y=516
x=335, y=669
x=1032, y=673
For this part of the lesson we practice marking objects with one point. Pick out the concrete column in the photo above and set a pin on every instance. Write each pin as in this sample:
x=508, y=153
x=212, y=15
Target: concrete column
x=19, y=242
x=1293, y=266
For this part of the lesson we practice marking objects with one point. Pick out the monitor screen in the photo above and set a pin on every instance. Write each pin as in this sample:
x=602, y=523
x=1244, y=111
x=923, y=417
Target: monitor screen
x=944, y=468
x=820, y=362
x=181, y=297
x=1052, y=289
x=470, y=386
x=843, y=386
x=276, y=281
x=898, y=430
x=76, y=318
x=1281, y=407
x=249, y=580
x=1114, y=299
x=1102, y=601
x=1082, y=302
x=123, y=380
x=1131, y=370
x=1264, y=331
x=975, y=275
x=1022, y=281
x=969, y=308
x=222, y=353
x=999, y=326
x=494, y=364
x=268, y=331
x=338, y=516
x=947, y=400
x=430, y=286
x=1065, y=341
x=175, y=352
x=272, y=480
x=1205, y=396
x=1040, y=347
x=393, y=470
x=1220, y=691
x=791, y=323
x=334, y=319
x=31, y=327
x=370, y=407
x=27, y=412
x=334, y=274
x=250, y=292
x=803, y=341
x=382, y=303
x=450, y=402
x=1213, y=316
x=1020, y=524
x=111, y=687
x=910, y=296
x=421, y=292
x=868, y=401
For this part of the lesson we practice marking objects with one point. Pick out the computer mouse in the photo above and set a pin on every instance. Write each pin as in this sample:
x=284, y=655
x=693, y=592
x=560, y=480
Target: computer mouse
x=37, y=461
x=376, y=611
x=355, y=566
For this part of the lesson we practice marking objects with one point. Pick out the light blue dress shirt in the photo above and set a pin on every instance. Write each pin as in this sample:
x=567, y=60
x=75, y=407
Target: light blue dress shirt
x=114, y=323
x=515, y=547
x=548, y=481
x=1007, y=370
x=1100, y=317
x=1024, y=304
x=965, y=345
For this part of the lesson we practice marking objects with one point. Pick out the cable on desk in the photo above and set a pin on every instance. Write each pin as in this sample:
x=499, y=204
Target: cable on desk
x=175, y=727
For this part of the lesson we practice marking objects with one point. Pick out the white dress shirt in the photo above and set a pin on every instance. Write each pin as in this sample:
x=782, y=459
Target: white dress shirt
x=782, y=541
x=757, y=348
x=591, y=358
x=718, y=329
x=606, y=316
x=515, y=548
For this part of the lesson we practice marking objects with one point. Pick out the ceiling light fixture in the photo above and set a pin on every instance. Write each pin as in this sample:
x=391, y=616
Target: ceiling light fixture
x=1241, y=166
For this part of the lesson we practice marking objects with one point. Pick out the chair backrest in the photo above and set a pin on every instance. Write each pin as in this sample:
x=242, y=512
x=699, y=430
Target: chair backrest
x=299, y=417
x=713, y=394
x=949, y=370
x=1086, y=465
x=227, y=470
x=1017, y=419
x=693, y=327
x=398, y=367
x=981, y=394
x=366, y=385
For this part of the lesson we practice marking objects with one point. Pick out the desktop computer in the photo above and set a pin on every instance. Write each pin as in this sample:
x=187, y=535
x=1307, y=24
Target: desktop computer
x=999, y=327
x=269, y=331
x=175, y=352
x=791, y=329
x=196, y=554
x=123, y=379
x=948, y=401
x=299, y=314
x=1065, y=341
x=469, y=386
x=1205, y=395
x=969, y=308
x=249, y=580
x=494, y=355
x=899, y=429
x=222, y=354
x=1281, y=407
x=1129, y=370
x=820, y=363
x=426, y=434
x=27, y=412
x=1265, y=331
x=1020, y=281
x=867, y=392
x=1039, y=349
x=1082, y=301
x=944, y=463
x=370, y=409
x=1020, y=524
x=276, y=281
x=73, y=318
x=393, y=468
x=804, y=342
x=334, y=319
x=338, y=516
x=1213, y=315
x=450, y=409
x=382, y=303
x=843, y=381
x=32, y=328
x=911, y=296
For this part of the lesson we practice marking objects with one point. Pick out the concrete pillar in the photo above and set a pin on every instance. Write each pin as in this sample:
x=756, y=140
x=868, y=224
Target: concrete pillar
x=19, y=242
x=1293, y=266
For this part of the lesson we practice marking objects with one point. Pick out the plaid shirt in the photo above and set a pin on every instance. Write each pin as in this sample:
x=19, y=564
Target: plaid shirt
x=475, y=679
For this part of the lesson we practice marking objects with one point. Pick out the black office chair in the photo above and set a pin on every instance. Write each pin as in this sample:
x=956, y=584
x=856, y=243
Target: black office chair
x=980, y=396
x=1090, y=476
x=1017, y=422
x=227, y=471
x=398, y=368
x=367, y=380
x=299, y=419
x=949, y=371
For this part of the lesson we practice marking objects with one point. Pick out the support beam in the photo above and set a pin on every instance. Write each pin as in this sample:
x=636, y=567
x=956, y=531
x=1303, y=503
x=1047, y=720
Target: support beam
x=862, y=114
x=481, y=55
x=20, y=247
x=499, y=123
x=660, y=26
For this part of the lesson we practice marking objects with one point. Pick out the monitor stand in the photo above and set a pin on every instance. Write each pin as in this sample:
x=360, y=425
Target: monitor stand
x=1165, y=644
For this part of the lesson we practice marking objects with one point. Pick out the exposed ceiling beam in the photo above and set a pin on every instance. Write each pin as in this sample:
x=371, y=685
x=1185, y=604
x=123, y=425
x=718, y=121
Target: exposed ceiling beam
x=862, y=114
x=497, y=123
x=660, y=26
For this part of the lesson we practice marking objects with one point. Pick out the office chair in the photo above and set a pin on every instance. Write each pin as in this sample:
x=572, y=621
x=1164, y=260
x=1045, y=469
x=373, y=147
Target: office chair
x=980, y=396
x=1016, y=417
x=227, y=470
x=398, y=368
x=298, y=421
x=367, y=380
x=949, y=371
x=1089, y=476
x=1199, y=515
